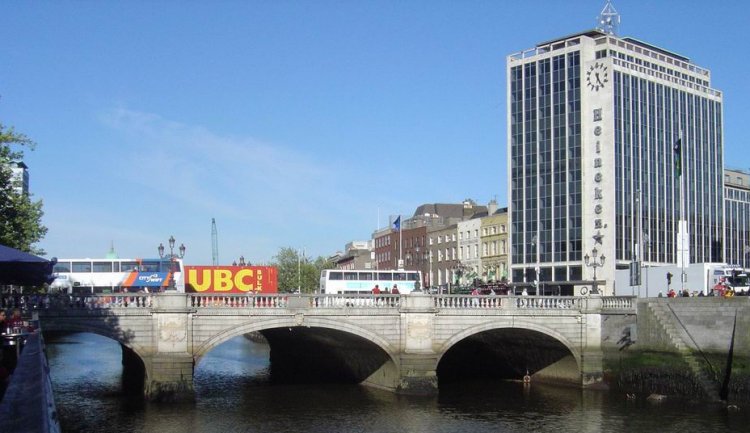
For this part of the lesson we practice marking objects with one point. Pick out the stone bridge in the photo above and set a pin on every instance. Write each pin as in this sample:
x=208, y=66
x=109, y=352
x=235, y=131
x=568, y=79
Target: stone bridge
x=402, y=343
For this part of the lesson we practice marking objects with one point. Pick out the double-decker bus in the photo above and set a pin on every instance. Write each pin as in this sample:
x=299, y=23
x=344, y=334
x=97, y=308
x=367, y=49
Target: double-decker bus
x=338, y=281
x=81, y=276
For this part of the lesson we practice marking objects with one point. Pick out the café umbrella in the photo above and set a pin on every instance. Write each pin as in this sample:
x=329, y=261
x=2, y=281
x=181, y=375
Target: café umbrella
x=24, y=269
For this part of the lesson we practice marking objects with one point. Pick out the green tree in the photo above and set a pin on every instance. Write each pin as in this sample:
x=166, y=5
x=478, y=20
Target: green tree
x=296, y=270
x=20, y=217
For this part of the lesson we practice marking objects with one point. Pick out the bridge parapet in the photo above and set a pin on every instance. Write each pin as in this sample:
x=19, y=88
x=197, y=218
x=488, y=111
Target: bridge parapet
x=286, y=300
x=619, y=304
x=195, y=301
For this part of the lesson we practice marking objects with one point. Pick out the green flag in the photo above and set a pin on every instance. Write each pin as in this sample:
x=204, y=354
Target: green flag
x=678, y=157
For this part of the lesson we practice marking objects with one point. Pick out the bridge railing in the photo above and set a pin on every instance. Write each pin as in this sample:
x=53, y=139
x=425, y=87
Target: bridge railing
x=612, y=304
x=90, y=302
x=288, y=300
x=507, y=302
x=619, y=303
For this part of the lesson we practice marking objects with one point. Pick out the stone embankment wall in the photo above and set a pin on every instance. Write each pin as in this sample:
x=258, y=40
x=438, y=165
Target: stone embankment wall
x=28, y=404
x=679, y=346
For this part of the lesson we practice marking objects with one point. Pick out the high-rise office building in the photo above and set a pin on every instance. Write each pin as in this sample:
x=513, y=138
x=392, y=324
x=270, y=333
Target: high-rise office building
x=20, y=177
x=594, y=120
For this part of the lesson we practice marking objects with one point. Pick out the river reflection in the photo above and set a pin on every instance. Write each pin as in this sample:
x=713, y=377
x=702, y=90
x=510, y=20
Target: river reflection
x=234, y=395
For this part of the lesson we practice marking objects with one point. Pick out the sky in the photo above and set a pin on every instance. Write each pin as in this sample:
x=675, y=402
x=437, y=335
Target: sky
x=300, y=124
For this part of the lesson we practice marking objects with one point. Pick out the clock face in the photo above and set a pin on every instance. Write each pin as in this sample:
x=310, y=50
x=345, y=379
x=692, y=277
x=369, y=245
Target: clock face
x=597, y=76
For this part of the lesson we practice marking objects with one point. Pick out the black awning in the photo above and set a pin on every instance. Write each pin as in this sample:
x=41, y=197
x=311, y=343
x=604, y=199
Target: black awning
x=23, y=269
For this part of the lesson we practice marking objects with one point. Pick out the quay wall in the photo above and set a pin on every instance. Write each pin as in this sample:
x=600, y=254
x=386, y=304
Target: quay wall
x=679, y=346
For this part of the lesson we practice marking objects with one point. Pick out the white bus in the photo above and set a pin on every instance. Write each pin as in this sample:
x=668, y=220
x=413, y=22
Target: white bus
x=339, y=281
x=733, y=276
x=82, y=276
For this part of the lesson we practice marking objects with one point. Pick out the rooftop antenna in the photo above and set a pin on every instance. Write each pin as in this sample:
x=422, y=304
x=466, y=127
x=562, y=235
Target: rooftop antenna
x=608, y=20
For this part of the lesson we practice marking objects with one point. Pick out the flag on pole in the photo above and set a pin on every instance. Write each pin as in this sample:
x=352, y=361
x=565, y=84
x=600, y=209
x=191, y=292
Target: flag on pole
x=397, y=223
x=678, y=157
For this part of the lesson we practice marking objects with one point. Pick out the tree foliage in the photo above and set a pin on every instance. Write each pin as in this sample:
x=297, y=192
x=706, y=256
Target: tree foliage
x=296, y=270
x=20, y=217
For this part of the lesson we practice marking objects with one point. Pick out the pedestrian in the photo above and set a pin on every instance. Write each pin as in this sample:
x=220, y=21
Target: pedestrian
x=395, y=290
x=15, y=321
x=376, y=290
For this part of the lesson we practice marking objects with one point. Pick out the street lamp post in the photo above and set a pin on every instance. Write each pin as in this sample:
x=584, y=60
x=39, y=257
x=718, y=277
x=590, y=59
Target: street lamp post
x=171, y=256
x=595, y=261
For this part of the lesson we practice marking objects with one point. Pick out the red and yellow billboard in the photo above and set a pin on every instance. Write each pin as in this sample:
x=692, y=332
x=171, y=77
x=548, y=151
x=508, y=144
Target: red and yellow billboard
x=231, y=279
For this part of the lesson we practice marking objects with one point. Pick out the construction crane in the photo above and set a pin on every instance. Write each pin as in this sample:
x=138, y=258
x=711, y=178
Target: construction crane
x=214, y=242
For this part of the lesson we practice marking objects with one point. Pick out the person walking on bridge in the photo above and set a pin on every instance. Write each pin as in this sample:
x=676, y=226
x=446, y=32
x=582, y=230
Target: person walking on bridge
x=376, y=290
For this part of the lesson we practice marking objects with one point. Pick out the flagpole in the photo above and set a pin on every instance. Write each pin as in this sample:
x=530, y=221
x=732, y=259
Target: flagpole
x=400, y=242
x=683, y=223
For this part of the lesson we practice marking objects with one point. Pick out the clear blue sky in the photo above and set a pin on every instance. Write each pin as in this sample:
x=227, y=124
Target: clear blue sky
x=293, y=123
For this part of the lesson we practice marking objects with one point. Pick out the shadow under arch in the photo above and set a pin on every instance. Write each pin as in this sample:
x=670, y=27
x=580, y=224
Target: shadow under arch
x=134, y=373
x=319, y=349
x=508, y=352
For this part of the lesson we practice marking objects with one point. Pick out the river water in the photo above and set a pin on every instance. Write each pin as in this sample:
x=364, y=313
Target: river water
x=233, y=394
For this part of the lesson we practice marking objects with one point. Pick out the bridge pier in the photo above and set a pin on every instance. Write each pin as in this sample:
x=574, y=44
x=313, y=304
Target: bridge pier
x=418, y=375
x=169, y=377
x=592, y=355
x=169, y=370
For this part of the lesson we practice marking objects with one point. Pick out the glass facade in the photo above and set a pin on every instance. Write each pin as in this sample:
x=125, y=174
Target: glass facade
x=545, y=155
x=649, y=118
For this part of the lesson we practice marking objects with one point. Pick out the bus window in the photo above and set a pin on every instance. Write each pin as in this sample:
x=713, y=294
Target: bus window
x=399, y=276
x=169, y=266
x=413, y=276
x=385, y=276
x=350, y=276
x=81, y=267
x=102, y=267
x=365, y=276
x=335, y=276
x=129, y=266
x=150, y=266
x=61, y=267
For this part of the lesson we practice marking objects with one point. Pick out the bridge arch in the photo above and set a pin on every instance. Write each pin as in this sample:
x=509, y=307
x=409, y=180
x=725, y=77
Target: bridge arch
x=508, y=351
x=105, y=330
x=518, y=324
x=334, y=323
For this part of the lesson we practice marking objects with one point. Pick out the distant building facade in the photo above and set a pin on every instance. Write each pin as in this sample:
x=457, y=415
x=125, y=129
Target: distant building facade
x=468, y=249
x=356, y=255
x=494, y=244
x=737, y=210
x=443, y=255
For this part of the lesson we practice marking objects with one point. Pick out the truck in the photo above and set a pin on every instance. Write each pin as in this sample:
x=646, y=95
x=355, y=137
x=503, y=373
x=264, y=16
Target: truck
x=231, y=279
x=699, y=277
